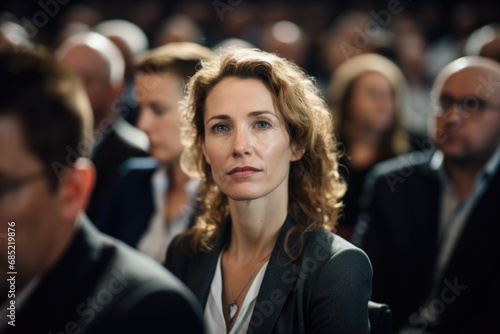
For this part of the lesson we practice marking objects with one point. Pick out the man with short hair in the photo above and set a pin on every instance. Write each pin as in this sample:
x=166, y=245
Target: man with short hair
x=431, y=226
x=153, y=199
x=58, y=273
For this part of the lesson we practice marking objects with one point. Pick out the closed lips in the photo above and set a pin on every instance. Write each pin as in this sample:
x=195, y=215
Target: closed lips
x=242, y=169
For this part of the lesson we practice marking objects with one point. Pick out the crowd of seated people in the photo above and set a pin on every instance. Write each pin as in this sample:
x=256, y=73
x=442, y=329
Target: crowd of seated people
x=401, y=183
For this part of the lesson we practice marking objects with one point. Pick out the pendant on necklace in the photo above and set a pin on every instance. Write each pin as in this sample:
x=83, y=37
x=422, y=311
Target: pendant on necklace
x=231, y=311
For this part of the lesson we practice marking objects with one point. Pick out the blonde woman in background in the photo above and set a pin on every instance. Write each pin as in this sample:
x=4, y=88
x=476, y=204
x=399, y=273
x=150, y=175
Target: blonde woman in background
x=369, y=98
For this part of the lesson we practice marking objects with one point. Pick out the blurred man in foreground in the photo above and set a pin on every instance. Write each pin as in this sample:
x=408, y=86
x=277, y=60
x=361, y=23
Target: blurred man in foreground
x=62, y=274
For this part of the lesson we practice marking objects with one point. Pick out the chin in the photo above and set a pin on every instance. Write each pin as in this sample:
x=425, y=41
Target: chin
x=242, y=197
x=243, y=194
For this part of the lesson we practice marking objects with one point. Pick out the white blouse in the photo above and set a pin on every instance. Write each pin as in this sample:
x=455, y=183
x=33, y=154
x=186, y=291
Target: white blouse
x=157, y=237
x=214, y=315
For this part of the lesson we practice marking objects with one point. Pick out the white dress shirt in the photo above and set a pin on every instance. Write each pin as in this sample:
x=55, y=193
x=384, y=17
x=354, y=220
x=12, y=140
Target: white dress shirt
x=158, y=235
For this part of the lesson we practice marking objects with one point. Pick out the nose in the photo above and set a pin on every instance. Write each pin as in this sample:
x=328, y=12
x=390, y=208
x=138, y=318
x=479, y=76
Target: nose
x=453, y=116
x=241, y=143
x=145, y=121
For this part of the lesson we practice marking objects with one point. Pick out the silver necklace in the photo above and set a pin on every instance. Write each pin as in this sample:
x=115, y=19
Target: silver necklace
x=233, y=307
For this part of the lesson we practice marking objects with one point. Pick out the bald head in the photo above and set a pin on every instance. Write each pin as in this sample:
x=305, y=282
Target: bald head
x=110, y=58
x=100, y=64
x=481, y=74
x=467, y=96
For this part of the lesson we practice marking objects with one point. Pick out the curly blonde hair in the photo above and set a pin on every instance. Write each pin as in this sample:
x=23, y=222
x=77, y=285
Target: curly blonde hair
x=315, y=185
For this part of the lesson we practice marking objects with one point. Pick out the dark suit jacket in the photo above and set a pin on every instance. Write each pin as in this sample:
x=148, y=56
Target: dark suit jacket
x=127, y=212
x=117, y=146
x=326, y=290
x=399, y=233
x=103, y=286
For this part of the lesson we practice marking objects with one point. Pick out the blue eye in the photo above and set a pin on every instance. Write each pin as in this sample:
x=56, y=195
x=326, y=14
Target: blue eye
x=219, y=128
x=262, y=125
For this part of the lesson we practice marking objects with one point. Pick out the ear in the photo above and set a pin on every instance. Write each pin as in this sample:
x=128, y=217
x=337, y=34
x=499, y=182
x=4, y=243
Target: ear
x=76, y=188
x=201, y=142
x=298, y=151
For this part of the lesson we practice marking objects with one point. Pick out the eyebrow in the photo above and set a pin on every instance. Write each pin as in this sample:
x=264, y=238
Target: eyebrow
x=252, y=114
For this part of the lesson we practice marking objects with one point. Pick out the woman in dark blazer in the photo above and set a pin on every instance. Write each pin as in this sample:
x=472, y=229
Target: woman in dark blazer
x=260, y=257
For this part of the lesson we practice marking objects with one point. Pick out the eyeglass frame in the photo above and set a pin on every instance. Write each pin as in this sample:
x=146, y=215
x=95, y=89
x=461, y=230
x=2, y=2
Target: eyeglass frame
x=464, y=110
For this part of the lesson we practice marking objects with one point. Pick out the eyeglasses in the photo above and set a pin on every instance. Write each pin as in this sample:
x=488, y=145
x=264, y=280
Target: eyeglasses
x=10, y=185
x=470, y=106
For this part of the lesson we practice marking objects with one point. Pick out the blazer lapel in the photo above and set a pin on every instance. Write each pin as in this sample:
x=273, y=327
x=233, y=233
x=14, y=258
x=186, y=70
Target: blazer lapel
x=277, y=283
x=208, y=270
x=428, y=218
x=480, y=232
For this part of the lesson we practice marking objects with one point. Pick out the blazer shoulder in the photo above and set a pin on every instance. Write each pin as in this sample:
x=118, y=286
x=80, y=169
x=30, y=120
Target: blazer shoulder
x=130, y=263
x=403, y=163
x=180, y=257
x=138, y=166
x=144, y=294
x=130, y=135
x=324, y=246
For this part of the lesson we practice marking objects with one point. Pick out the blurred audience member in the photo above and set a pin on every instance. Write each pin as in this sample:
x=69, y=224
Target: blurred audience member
x=410, y=46
x=352, y=34
x=485, y=42
x=131, y=41
x=231, y=44
x=178, y=28
x=12, y=33
x=70, y=277
x=369, y=100
x=450, y=46
x=100, y=64
x=431, y=227
x=76, y=19
x=286, y=39
x=128, y=37
x=153, y=200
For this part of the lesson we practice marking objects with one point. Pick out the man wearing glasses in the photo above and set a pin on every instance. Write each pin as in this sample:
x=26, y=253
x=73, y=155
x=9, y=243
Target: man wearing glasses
x=58, y=274
x=431, y=221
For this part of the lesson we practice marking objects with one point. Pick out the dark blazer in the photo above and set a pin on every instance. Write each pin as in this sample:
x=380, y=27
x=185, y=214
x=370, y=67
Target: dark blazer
x=399, y=232
x=122, y=142
x=326, y=290
x=101, y=285
x=128, y=210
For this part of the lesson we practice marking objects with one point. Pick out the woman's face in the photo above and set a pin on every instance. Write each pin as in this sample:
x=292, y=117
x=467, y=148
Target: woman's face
x=372, y=105
x=158, y=97
x=246, y=145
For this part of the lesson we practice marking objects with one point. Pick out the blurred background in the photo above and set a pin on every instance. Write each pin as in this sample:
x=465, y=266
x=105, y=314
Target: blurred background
x=419, y=36
x=416, y=38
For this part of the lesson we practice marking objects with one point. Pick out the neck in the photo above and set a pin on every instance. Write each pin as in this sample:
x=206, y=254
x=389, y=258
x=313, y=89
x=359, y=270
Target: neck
x=177, y=178
x=462, y=176
x=255, y=227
